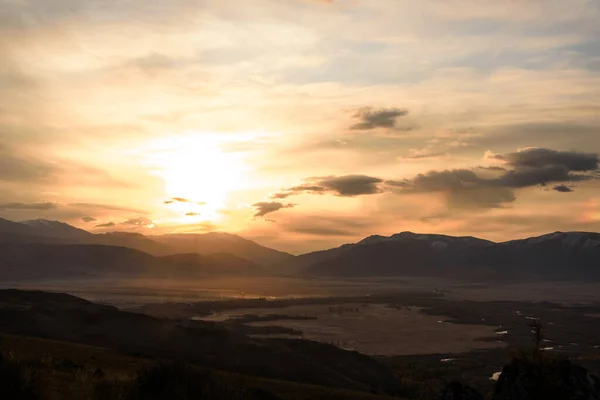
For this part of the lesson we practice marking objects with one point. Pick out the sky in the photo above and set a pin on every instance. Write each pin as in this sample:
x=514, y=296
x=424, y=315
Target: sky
x=302, y=124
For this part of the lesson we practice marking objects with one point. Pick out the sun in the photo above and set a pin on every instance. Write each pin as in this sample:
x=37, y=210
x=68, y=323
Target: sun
x=198, y=173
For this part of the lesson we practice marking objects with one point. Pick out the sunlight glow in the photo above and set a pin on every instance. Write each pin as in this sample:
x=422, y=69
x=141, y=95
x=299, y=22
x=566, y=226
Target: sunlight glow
x=199, y=173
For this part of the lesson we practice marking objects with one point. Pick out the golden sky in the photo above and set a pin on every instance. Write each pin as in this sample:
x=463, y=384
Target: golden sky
x=302, y=124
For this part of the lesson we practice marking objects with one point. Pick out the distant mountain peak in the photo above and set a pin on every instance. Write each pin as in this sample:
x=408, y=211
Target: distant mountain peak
x=44, y=227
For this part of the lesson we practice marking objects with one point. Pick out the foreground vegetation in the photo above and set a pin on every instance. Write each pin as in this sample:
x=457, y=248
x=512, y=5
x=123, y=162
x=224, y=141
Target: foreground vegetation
x=40, y=369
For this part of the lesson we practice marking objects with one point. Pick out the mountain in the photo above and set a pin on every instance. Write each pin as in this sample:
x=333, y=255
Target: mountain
x=216, y=242
x=378, y=251
x=55, y=232
x=34, y=261
x=556, y=256
x=11, y=227
x=42, y=227
x=131, y=240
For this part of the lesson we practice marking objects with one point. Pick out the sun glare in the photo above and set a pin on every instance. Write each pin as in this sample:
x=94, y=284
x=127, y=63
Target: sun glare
x=198, y=174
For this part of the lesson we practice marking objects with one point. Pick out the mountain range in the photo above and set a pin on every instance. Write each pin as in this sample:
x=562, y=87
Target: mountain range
x=555, y=256
x=43, y=249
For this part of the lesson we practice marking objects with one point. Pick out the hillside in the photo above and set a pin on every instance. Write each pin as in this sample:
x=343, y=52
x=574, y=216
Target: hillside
x=48, y=262
x=67, y=318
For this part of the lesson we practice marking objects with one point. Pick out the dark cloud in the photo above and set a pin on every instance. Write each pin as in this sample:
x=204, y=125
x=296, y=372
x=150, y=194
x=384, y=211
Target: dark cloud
x=108, y=207
x=526, y=177
x=371, y=118
x=106, y=225
x=434, y=181
x=266, y=207
x=88, y=219
x=482, y=186
x=343, y=186
x=140, y=221
x=352, y=185
x=466, y=188
x=462, y=188
x=28, y=206
x=540, y=158
x=562, y=189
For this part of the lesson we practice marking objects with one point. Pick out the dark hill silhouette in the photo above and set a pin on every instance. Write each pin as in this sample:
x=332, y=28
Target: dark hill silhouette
x=133, y=241
x=57, y=229
x=67, y=318
x=42, y=262
x=55, y=232
x=217, y=242
x=11, y=227
x=556, y=256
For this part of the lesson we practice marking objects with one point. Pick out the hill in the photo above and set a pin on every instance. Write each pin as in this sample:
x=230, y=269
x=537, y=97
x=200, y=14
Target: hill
x=67, y=318
x=556, y=256
x=217, y=242
x=35, y=261
x=55, y=232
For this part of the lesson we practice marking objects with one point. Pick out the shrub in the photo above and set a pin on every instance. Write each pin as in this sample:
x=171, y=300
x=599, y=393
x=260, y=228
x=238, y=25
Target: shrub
x=16, y=383
x=179, y=382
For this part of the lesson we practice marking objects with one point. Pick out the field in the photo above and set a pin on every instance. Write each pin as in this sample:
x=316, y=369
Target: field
x=373, y=329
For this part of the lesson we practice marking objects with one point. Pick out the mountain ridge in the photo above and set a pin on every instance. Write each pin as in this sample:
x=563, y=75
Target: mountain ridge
x=554, y=256
x=39, y=262
x=56, y=232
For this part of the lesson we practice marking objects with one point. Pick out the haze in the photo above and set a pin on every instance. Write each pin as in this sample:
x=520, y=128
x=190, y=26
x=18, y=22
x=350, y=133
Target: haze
x=302, y=124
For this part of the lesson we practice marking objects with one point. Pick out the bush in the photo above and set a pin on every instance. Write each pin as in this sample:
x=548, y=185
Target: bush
x=16, y=383
x=179, y=382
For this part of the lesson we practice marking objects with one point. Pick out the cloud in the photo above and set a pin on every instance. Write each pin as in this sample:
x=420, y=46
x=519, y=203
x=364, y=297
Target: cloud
x=106, y=225
x=541, y=158
x=343, y=186
x=562, y=189
x=526, y=177
x=29, y=206
x=183, y=200
x=371, y=118
x=192, y=214
x=266, y=207
x=352, y=185
x=88, y=219
x=140, y=221
x=466, y=188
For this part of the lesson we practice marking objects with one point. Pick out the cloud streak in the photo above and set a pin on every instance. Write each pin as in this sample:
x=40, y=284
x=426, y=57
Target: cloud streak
x=342, y=186
x=263, y=208
x=29, y=206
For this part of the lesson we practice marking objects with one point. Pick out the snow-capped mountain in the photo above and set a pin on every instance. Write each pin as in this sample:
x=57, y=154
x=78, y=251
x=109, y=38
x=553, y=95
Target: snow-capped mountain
x=559, y=255
x=42, y=227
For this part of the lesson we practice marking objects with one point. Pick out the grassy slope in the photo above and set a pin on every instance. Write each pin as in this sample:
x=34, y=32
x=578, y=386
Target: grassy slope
x=66, y=371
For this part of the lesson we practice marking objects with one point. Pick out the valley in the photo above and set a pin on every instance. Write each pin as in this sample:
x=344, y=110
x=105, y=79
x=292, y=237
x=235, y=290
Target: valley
x=403, y=314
